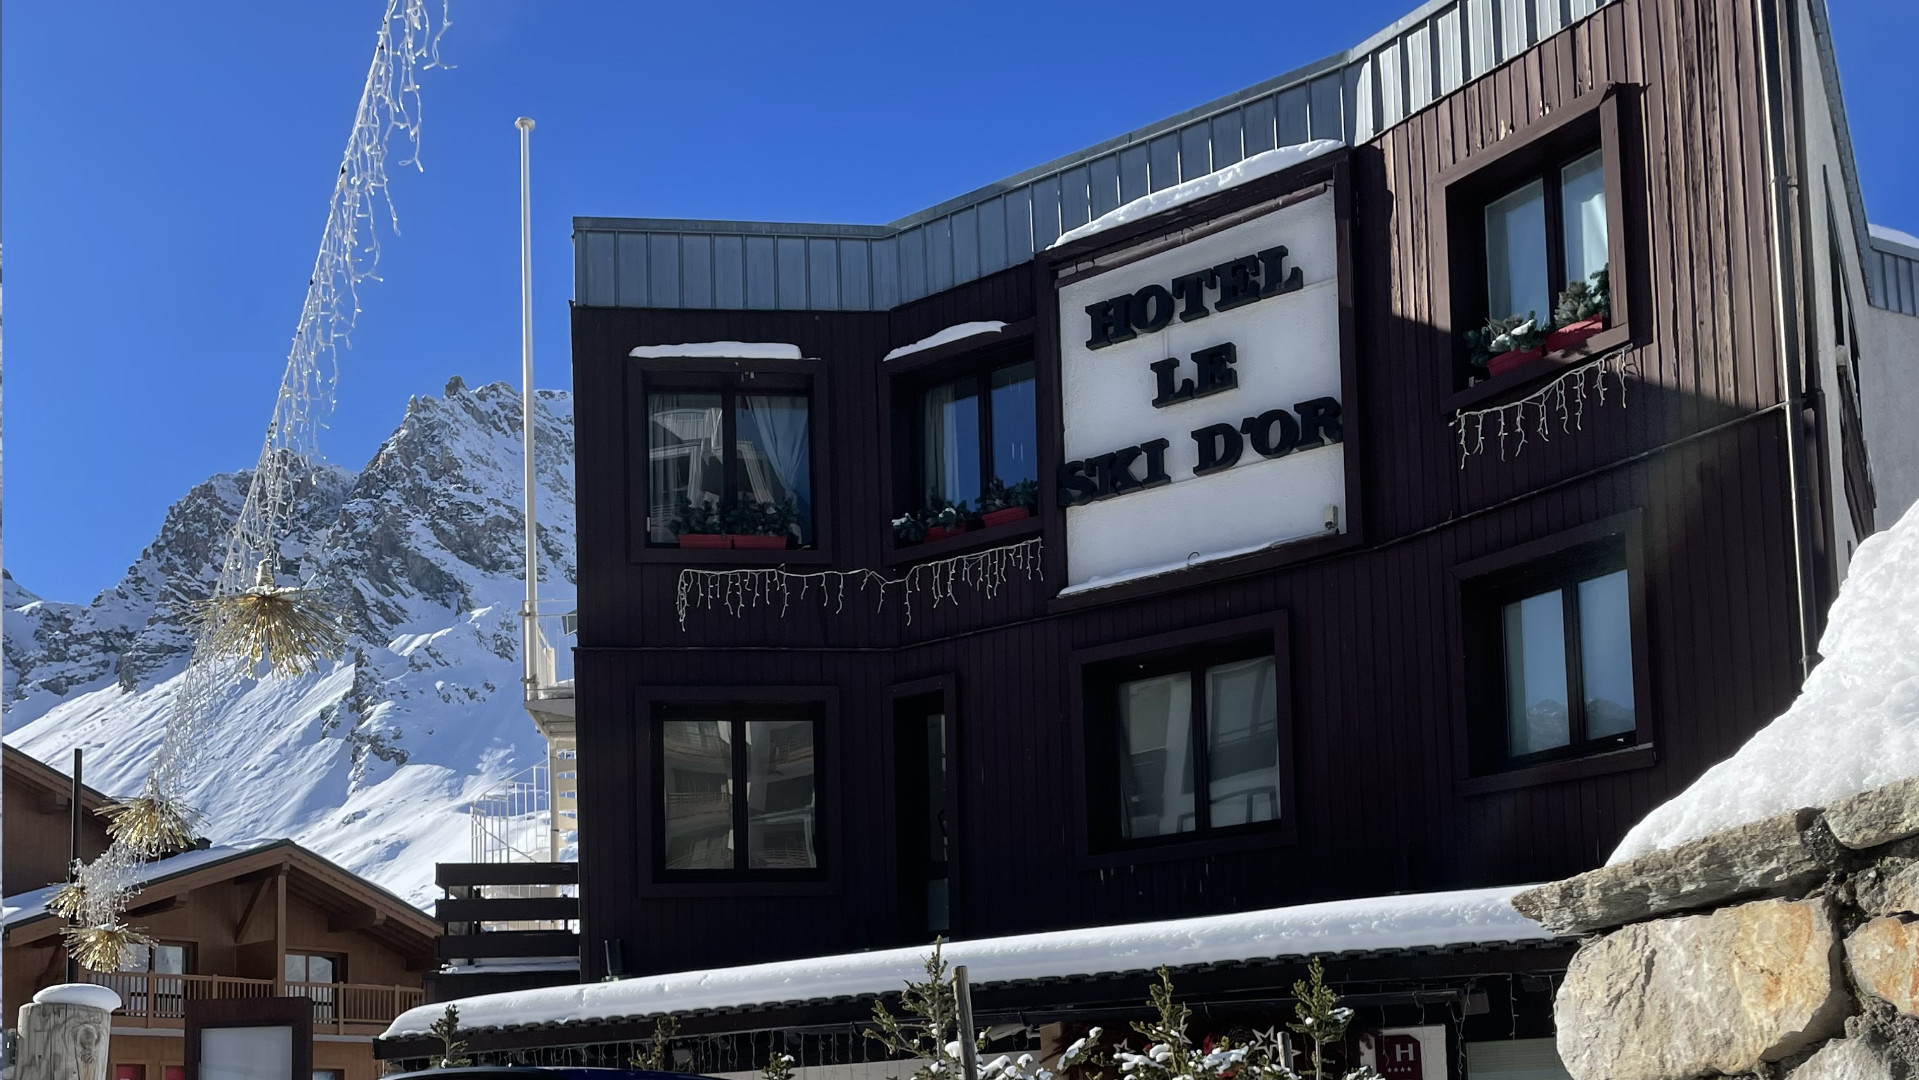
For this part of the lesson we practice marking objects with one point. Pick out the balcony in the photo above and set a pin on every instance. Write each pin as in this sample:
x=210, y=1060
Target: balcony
x=155, y=1000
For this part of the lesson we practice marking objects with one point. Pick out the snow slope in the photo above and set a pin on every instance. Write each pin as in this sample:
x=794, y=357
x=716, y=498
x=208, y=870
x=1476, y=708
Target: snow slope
x=370, y=761
x=1854, y=727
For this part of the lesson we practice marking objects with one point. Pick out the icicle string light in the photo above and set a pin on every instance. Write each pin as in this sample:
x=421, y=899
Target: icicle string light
x=406, y=44
x=1563, y=399
x=733, y=591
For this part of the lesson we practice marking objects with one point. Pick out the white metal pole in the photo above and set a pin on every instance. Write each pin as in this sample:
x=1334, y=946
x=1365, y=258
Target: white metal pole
x=528, y=627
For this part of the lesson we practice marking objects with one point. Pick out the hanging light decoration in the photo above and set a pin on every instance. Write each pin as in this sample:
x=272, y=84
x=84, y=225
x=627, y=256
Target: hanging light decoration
x=251, y=624
x=1564, y=400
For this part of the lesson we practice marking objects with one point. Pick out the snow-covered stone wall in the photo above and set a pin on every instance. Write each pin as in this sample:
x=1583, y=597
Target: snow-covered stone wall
x=1787, y=947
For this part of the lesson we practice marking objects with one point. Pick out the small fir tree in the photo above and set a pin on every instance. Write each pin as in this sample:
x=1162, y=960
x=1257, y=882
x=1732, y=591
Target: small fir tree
x=1323, y=1020
x=658, y=1055
x=452, y=1047
x=778, y=1067
x=930, y=1028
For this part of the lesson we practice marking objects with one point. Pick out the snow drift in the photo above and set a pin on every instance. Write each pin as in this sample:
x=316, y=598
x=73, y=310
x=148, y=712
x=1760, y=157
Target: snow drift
x=1855, y=725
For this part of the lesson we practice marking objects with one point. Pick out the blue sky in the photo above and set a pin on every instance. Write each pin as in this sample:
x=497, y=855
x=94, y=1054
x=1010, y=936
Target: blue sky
x=165, y=170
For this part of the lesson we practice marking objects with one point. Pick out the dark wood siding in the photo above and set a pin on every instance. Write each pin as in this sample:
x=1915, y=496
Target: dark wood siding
x=1377, y=649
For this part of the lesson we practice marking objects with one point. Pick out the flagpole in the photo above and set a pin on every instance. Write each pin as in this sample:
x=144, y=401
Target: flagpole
x=529, y=628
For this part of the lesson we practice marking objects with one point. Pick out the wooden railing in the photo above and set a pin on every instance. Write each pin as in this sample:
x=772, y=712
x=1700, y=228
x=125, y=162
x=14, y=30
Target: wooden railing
x=151, y=999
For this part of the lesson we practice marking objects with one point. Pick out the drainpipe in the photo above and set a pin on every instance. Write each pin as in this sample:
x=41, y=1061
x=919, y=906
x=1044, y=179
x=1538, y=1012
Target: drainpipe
x=1782, y=188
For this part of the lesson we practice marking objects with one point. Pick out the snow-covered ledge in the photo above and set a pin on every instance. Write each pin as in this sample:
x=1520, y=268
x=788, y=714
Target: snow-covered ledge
x=950, y=334
x=1472, y=917
x=720, y=350
x=1264, y=163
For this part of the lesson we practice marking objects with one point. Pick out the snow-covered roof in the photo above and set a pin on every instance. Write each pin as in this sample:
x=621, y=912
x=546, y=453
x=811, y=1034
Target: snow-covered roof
x=1261, y=164
x=952, y=333
x=1890, y=235
x=27, y=906
x=722, y=350
x=1430, y=920
x=1854, y=727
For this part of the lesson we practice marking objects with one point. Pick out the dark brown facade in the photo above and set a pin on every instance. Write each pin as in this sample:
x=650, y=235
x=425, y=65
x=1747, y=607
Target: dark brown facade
x=1707, y=487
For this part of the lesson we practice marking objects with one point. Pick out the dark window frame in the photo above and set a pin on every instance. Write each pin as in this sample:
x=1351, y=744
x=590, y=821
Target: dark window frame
x=905, y=382
x=737, y=712
x=1563, y=578
x=1605, y=119
x=1095, y=676
x=804, y=377
x=982, y=375
x=1483, y=587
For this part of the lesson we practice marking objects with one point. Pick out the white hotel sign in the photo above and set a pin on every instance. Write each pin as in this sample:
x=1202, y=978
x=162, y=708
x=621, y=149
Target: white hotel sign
x=1201, y=393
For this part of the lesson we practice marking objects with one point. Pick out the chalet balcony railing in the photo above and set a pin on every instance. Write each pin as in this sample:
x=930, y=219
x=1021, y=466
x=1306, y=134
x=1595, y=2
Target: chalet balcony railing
x=152, y=999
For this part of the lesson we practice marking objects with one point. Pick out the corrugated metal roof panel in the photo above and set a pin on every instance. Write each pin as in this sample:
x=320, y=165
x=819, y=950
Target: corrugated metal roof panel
x=1352, y=96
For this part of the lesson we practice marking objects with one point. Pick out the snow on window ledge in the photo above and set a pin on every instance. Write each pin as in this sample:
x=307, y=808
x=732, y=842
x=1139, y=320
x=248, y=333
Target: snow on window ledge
x=720, y=350
x=950, y=334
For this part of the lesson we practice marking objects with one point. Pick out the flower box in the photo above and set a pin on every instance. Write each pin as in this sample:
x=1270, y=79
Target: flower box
x=941, y=532
x=705, y=540
x=1507, y=361
x=758, y=543
x=1006, y=516
x=1573, y=333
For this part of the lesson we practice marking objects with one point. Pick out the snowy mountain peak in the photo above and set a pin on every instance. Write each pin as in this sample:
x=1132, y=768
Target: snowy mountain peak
x=370, y=760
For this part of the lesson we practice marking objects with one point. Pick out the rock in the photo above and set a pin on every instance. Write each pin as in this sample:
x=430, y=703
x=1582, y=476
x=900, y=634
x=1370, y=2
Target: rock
x=1853, y=1059
x=1889, y=888
x=1884, y=957
x=1702, y=994
x=1778, y=856
x=1876, y=817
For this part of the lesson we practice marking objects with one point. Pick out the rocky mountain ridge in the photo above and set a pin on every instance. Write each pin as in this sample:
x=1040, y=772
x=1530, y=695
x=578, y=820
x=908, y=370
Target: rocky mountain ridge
x=371, y=760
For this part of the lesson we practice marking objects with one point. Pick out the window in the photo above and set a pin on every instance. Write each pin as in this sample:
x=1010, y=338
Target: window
x=157, y=990
x=1568, y=661
x=975, y=430
x=314, y=968
x=1555, y=667
x=1545, y=234
x=1536, y=261
x=1203, y=727
x=313, y=975
x=723, y=460
x=729, y=774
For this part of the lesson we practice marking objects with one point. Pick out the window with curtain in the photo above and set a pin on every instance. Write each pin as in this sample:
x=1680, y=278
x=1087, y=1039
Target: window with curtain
x=1198, y=747
x=739, y=791
x=1544, y=233
x=739, y=461
x=975, y=429
x=1565, y=681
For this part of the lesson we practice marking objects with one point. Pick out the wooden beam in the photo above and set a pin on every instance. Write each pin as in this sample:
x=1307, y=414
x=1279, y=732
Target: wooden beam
x=280, y=932
x=158, y=907
x=363, y=918
x=253, y=906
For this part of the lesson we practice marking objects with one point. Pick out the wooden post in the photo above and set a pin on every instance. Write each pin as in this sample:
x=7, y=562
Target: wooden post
x=280, y=933
x=64, y=1031
x=73, y=849
x=969, y=1053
